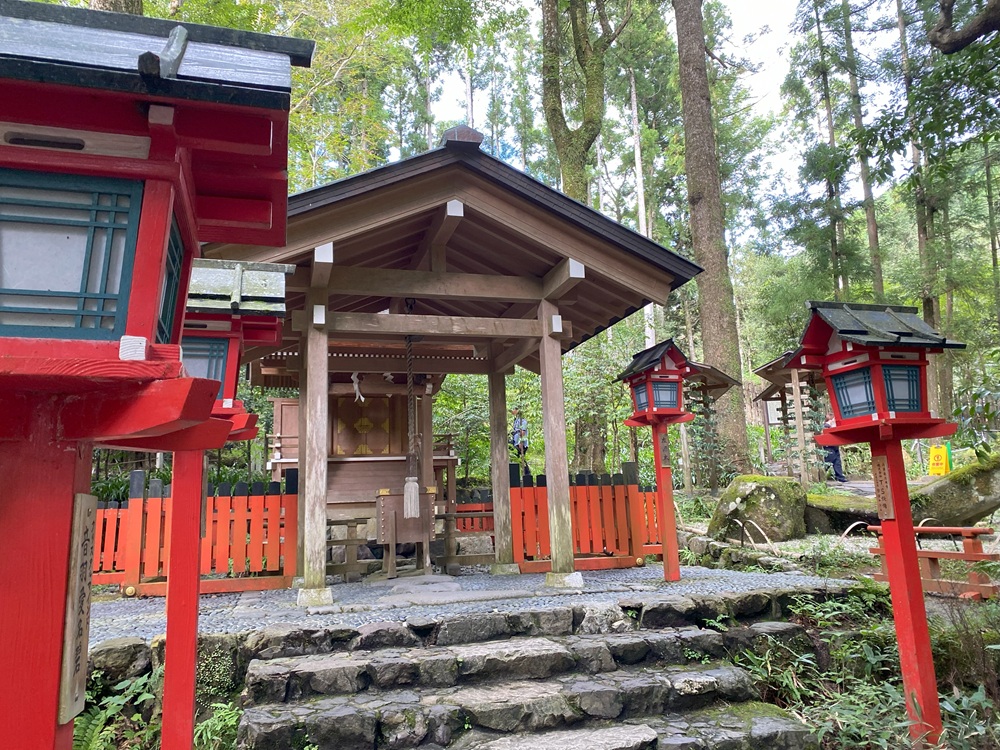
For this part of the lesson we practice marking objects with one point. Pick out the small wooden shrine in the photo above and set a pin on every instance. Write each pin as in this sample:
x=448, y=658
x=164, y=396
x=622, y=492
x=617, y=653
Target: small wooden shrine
x=798, y=395
x=481, y=268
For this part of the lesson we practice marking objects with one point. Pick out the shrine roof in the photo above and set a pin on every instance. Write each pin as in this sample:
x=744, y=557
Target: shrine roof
x=118, y=52
x=711, y=379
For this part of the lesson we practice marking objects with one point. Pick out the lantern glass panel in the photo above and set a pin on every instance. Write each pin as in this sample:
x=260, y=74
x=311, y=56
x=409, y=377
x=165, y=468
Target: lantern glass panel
x=641, y=397
x=205, y=357
x=67, y=247
x=853, y=391
x=171, y=286
x=902, y=386
x=664, y=395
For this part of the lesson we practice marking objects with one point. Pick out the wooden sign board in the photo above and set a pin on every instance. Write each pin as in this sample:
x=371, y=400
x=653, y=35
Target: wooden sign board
x=883, y=490
x=73, y=678
x=664, y=450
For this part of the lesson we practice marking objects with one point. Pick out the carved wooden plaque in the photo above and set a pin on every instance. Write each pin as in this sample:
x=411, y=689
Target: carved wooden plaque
x=883, y=490
x=664, y=450
x=73, y=678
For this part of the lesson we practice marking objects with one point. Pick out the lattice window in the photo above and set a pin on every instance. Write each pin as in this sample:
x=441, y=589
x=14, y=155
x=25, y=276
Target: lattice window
x=67, y=247
x=171, y=286
x=854, y=393
x=205, y=357
x=902, y=386
x=664, y=395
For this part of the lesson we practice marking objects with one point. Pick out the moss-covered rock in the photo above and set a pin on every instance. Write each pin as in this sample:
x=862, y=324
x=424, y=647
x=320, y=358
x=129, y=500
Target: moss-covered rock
x=775, y=504
x=961, y=498
x=826, y=514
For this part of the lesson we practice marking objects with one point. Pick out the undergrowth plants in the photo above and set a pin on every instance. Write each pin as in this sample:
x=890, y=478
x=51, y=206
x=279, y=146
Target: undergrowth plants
x=850, y=691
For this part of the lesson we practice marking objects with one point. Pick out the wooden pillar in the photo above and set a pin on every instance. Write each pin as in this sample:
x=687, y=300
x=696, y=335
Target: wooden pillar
x=183, y=580
x=800, y=428
x=300, y=461
x=40, y=480
x=314, y=450
x=908, y=609
x=686, y=458
x=425, y=420
x=556, y=458
x=785, y=432
x=499, y=474
x=768, y=455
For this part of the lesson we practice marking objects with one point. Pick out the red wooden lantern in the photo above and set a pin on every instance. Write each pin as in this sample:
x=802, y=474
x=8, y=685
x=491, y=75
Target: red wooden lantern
x=655, y=378
x=874, y=361
x=125, y=142
x=231, y=306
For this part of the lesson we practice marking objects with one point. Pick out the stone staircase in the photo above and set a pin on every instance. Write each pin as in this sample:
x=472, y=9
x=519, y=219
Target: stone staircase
x=591, y=677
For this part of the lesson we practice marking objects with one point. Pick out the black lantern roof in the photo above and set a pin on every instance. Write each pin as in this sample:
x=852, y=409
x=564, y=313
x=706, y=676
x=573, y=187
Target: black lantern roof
x=880, y=325
x=119, y=52
x=709, y=378
x=650, y=357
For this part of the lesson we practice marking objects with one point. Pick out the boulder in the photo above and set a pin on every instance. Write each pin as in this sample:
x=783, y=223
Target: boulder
x=775, y=504
x=961, y=498
x=120, y=659
x=828, y=514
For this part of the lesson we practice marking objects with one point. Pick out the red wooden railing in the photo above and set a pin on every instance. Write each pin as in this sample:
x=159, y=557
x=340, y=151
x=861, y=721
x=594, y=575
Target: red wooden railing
x=472, y=523
x=249, y=543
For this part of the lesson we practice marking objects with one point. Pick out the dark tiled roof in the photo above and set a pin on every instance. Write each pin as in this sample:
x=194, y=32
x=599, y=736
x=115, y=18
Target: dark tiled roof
x=646, y=359
x=94, y=49
x=881, y=325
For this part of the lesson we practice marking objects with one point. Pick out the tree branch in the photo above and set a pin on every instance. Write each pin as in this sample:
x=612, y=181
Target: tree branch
x=949, y=40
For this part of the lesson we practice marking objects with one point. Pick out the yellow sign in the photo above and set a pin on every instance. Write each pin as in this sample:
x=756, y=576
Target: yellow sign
x=939, y=463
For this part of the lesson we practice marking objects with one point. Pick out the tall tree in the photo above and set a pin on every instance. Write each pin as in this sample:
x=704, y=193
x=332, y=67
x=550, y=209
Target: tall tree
x=949, y=40
x=720, y=338
x=133, y=7
x=871, y=224
x=589, y=52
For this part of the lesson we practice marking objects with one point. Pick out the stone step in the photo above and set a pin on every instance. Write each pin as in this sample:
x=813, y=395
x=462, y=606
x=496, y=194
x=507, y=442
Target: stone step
x=292, y=678
x=749, y=726
x=408, y=718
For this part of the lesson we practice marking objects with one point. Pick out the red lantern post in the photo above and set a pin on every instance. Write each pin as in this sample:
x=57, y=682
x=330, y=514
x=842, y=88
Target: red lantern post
x=874, y=361
x=656, y=378
x=125, y=142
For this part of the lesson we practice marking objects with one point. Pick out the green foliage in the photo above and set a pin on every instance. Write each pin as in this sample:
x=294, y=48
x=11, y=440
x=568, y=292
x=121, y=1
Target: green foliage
x=218, y=731
x=121, y=717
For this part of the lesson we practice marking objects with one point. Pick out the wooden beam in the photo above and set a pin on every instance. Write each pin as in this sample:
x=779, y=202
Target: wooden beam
x=509, y=357
x=427, y=366
x=422, y=325
x=322, y=266
x=438, y=233
x=393, y=282
x=561, y=279
x=375, y=388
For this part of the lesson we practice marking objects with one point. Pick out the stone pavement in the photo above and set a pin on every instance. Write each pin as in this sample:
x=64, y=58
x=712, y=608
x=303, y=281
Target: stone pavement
x=432, y=596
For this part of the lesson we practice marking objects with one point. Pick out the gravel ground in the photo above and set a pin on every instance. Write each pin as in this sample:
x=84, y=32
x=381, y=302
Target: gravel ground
x=360, y=603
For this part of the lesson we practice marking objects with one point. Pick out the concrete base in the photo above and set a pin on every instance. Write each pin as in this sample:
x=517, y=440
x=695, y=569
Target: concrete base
x=315, y=597
x=505, y=569
x=564, y=580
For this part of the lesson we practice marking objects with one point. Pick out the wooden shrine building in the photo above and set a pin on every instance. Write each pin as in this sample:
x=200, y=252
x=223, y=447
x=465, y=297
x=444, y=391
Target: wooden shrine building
x=473, y=266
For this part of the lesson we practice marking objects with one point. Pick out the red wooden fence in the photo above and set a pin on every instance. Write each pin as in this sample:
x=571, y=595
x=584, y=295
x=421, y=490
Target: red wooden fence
x=249, y=542
x=474, y=523
x=614, y=522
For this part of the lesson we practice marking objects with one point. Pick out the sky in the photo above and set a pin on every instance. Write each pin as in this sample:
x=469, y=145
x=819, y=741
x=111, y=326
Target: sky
x=748, y=17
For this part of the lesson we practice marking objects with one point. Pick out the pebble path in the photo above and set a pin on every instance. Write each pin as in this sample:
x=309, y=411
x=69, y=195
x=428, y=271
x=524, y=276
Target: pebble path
x=431, y=596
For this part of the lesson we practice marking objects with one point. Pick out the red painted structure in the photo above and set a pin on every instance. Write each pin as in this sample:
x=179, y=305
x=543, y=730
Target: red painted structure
x=655, y=378
x=874, y=361
x=208, y=146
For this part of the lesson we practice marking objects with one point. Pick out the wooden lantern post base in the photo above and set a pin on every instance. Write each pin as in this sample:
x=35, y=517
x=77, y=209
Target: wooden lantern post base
x=909, y=613
x=665, y=518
